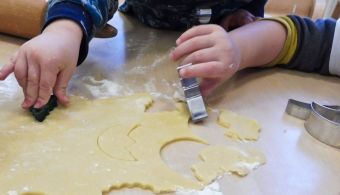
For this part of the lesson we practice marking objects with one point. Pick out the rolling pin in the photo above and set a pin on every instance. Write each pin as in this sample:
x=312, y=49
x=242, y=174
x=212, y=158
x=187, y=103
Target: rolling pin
x=25, y=18
x=22, y=18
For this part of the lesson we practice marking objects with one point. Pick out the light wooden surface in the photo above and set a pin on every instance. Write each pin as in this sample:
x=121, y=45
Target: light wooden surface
x=309, y=8
x=137, y=61
x=336, y=13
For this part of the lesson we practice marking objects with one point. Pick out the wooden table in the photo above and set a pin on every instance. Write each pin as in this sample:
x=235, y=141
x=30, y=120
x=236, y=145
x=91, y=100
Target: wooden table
x=137, y=61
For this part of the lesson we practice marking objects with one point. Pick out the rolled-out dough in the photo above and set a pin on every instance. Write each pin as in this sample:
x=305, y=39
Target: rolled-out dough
x=115, y=142
x=218, y=160
x=75, y=150
x=93, y=147
x=239, y=127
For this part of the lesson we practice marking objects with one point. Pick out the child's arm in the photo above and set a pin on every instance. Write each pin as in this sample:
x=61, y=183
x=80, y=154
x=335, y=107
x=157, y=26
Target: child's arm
x=315, y=45
x=217, y=55
x=45, y=64
x=91, y=16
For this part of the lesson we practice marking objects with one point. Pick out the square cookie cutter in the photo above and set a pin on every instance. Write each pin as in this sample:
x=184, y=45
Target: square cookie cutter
x=322, y=122
x=193, y=97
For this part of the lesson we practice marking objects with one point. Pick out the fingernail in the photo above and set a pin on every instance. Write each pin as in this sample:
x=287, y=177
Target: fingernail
x=182, y=72
x=63, y=100
x=178, y=41
x=66, y=99
x=38, y=104
x=171, y=56
x=25, y=104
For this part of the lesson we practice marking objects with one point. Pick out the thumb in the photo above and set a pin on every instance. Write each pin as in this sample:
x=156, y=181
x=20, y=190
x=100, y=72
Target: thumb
x=60, y=87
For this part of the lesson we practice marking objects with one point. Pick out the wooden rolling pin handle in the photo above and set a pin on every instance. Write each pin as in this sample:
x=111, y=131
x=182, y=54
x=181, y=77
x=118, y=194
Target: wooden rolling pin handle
x=22, y=18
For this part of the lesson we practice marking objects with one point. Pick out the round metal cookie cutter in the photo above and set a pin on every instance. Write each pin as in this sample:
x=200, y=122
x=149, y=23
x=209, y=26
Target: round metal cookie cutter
x=322, y=122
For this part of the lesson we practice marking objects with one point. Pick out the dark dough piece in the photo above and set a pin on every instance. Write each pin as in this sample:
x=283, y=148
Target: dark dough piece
x=40, y=114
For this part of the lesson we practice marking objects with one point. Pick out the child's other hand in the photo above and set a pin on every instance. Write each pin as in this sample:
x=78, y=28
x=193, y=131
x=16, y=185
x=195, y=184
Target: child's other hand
x=237, y=19
x=45, y=64
x=214, y=55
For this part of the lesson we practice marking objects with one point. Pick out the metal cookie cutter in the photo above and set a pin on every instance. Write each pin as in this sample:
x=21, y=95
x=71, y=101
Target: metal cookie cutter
x=193, y=97
x=203, y=15
x=322, y=122
x=204, y=10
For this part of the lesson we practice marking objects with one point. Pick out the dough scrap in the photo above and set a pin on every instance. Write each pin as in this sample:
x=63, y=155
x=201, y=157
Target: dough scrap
x=218, y=160
x=239, y=127
x=61, y=155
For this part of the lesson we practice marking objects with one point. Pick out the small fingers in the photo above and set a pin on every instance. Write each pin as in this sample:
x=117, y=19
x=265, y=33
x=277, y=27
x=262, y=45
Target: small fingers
x=20, y=70
x=192, y=45
x=201, y=56
x=32, y=87
x=194, y=32
x=61, y=85
x=8, y=68
x=213, y=69
x=47, y=81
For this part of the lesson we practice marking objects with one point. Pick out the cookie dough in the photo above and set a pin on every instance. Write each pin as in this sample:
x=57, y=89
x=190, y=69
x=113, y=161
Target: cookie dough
x=115, y=141
x=218, y=160
x=91, y=147
x=239, y=127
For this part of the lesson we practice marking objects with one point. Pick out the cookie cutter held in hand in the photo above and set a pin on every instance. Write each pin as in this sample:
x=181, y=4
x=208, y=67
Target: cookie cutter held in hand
x=193, y=97
x=322, y=122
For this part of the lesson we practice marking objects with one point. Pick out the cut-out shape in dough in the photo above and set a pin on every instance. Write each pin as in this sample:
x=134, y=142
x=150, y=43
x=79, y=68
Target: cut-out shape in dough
x=61, y=155
x=165, y=128
x=218, y=160
x=115, y=140
x=239, y=127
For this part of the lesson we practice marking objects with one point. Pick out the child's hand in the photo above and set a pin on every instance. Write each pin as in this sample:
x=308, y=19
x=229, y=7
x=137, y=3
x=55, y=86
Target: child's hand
x=214, y=55
x=237, y=19
x=45, y=64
